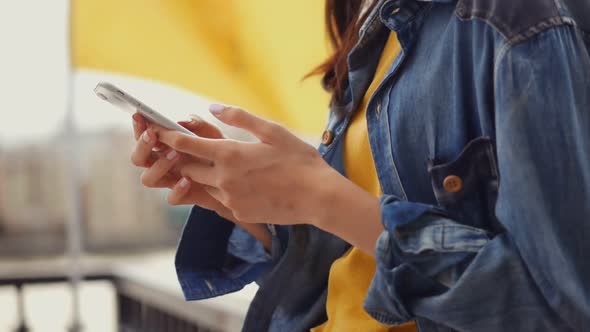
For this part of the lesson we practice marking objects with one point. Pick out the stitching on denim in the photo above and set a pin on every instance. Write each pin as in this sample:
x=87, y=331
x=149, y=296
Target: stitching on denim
x=370, y=31
x=443, y=247
x=556, y=20
x=461, y=155
x=232, y=284
x=462, y=247
x=492, y=160
x=375, y=14
x=443, y=239
x=385, y=317
x=479, y=18
x=498, y=58
x=511, y=43
x=390, y=152
x=540, y=27
x=421, y=12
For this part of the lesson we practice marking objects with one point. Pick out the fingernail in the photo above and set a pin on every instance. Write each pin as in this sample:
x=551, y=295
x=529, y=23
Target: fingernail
x=171, y=155
x=183, y=182
x=134, y=123
x=216, y=109
x=146, y=136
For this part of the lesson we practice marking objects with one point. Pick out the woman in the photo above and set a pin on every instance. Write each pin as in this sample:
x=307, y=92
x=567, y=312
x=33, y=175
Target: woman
x=450, y=191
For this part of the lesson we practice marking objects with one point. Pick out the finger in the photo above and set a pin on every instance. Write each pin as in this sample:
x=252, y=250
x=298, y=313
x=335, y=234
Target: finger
x=142, y=155
x=139, y=125
x=159, y=147
x=179, y=192
x=167, y=181
x=186, y=192
x=264, y=130
x=200, y=173
x=201, y=127
x=195, y=146
x=152, y=177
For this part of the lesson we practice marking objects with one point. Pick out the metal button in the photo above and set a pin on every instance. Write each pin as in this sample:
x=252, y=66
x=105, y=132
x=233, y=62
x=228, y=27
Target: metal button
x=452, y=184
x=327, y=137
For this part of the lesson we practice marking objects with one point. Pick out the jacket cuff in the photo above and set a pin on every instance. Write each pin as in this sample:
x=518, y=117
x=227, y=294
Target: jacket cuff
x=415, y=254
x=204, y=264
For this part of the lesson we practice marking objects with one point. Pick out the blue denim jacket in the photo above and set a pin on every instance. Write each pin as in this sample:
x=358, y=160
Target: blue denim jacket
x=481, y=138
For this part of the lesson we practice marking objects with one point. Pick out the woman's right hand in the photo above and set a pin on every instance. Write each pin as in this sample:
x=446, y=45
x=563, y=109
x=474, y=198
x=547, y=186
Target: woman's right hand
x=161, y=166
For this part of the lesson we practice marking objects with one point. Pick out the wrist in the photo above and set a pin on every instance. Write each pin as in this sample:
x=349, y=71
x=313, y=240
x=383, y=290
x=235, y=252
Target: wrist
x=339, y=199
x=349, y=212
x=323, y=198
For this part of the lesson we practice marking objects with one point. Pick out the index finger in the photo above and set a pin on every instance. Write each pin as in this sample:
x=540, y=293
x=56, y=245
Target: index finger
x=193, y=145
x=139, y=125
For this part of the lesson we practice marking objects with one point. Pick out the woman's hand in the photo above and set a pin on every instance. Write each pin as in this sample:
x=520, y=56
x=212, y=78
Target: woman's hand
x=161, y=170
x=161, y=165
x=278, y=179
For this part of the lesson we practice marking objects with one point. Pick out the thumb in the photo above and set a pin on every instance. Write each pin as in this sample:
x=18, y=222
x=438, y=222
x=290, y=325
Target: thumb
x=266, y=131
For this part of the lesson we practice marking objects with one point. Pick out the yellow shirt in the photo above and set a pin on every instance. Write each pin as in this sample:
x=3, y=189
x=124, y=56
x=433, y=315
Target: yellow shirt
x=351, y=275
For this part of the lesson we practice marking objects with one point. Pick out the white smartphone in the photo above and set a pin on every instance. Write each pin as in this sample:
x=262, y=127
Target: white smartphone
x=126, y=102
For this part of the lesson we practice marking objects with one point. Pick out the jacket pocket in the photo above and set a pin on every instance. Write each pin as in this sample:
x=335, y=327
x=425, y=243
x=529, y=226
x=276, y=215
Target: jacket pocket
x=467, y=187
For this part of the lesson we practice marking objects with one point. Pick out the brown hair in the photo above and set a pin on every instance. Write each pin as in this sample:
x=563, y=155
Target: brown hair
x=342, y=25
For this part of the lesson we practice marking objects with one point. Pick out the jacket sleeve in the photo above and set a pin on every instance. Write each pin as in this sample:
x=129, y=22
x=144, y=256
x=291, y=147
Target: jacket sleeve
x=535, y=274
x=215, y=257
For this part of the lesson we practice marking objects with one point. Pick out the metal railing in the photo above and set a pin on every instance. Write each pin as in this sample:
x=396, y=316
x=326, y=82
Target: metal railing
x=20, y=279
x=139, y=305
x=135, y=316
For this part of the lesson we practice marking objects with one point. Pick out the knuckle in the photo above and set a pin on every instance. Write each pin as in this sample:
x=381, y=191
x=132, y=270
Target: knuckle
x=228, y=155
x=173, y=200
x=231, y=114
x=278, y=129
x=135, y=160
x=146, y=180
x=181, y=142
x=270, y=129
x=235, y=115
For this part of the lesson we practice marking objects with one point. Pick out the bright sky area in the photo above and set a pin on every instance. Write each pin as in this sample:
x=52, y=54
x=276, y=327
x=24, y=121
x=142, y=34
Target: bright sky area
x=34, y=77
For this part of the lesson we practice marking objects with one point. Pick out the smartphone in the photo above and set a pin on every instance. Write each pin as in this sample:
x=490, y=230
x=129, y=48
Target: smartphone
x=126, y=102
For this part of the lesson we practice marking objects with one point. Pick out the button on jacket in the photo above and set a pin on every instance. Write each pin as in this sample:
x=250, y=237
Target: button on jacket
x=481, y=138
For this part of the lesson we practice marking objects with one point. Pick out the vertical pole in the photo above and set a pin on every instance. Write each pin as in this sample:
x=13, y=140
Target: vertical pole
x=20, y=310
x=74, y=236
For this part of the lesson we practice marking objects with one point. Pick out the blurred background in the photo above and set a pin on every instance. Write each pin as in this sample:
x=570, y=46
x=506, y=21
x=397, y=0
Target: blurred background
x=83, y=246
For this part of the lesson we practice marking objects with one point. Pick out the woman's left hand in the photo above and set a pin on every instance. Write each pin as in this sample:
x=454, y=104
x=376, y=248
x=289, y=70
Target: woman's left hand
x=278, y=179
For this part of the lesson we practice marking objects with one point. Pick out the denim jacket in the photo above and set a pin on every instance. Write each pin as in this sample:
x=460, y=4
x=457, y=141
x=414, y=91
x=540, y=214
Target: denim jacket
x=480, y=134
